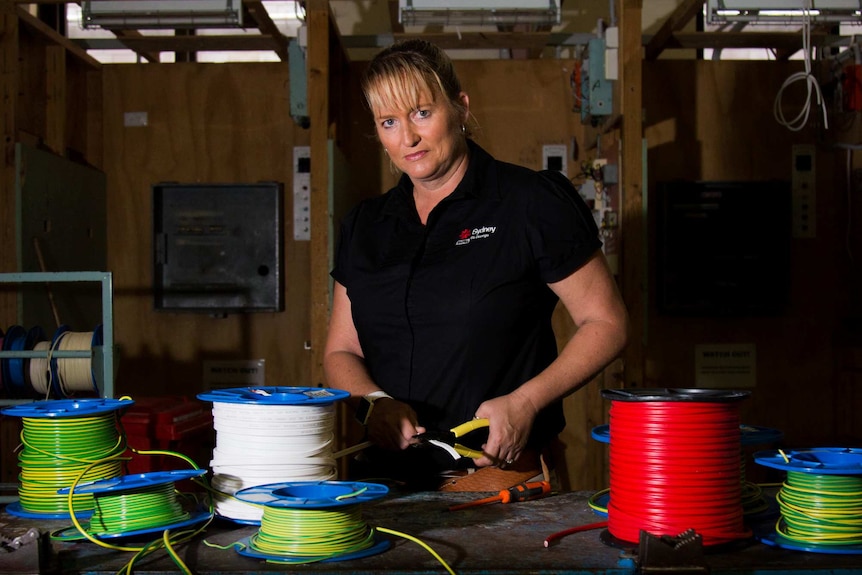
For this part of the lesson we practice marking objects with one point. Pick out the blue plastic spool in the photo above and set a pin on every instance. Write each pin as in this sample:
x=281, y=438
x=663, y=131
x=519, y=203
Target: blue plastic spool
x=817, y=461
x=61, y=409
x=275, y=395
x=312, y=495
x=13, y=367
x=119, y=485
x=2, y=342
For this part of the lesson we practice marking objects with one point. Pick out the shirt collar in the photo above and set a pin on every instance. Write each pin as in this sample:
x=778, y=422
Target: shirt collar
x=480, y=181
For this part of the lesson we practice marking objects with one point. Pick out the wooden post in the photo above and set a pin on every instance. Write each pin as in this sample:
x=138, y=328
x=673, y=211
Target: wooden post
x=317, y=63
x=55, y=104
x=634, y=243
x=9, y=85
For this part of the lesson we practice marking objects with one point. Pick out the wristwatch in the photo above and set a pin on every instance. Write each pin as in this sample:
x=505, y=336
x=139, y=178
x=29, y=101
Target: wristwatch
x=366, y=404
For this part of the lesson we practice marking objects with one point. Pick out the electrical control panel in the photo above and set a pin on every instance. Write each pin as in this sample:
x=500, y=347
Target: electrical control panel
x=302, y=193
x=804, y=197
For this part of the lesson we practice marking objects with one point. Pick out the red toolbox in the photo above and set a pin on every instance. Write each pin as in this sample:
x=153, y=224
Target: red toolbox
x=177, y=424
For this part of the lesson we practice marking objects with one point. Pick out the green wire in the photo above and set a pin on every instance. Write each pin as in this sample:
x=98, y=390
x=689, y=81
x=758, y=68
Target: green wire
x=54, y=453
x=312, y=534
x=137, y=509
x=821, y=509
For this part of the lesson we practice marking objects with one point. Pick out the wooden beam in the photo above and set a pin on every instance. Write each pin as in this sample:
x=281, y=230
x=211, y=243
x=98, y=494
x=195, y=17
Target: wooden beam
x=719, y=40
x=9, y=88
x=679, y=18
x=633, y=245
x=240, y=42
x=37, y=25
x=55, y=103
x=123, y=35
x=318, y=70
x=530, y=41
x=394, y=23
x=267, y=27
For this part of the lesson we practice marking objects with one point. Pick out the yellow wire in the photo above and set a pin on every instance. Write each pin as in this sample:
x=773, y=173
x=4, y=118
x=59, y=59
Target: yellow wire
x=420, y=543
x=165, y=541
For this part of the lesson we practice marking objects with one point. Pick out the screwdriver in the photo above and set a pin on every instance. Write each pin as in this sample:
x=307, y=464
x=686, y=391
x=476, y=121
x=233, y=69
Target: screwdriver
x=521, y=492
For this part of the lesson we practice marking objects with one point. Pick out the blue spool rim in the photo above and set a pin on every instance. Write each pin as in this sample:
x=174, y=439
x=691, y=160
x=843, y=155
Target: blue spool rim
x=244, y=548
x=819, y=460
x=601, y=433
x=193, y=519
x=133, y=481
x=675, y=395
x=777, y=540
x=275, y=395
x=15, y=509
x=751, y=434
x=62, y=408
x=312, y=494
x=56, y=388
x=2, y=341
x=14, y=340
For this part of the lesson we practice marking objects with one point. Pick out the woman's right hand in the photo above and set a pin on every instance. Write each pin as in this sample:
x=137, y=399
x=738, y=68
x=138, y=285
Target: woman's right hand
x=393, y=424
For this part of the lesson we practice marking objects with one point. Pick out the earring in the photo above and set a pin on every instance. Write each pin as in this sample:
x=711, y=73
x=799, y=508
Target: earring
x=463, y=130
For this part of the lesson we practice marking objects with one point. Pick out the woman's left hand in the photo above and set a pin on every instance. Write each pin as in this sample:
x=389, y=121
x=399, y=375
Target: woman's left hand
x=510, y=420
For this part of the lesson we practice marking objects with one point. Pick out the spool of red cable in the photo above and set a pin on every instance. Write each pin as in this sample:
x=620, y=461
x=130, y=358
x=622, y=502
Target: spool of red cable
x=674, y=464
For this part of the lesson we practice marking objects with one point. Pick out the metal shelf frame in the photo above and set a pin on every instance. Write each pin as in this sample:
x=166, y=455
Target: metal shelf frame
x=102, y=356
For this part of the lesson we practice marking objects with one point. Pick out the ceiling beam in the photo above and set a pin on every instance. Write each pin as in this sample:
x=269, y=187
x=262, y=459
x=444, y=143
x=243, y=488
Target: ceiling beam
x=267, y=27
x=531, y=41
x=123, y=35
x=679, y=18
x=38, y=26
x=718, y=40
x=227, y=43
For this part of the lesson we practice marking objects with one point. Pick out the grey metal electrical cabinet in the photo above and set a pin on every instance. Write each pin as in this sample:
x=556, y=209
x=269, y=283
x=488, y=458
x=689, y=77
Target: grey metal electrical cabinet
x=217, y=248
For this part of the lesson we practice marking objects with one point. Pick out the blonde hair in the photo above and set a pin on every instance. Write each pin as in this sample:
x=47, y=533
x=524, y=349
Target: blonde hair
x=403, y=73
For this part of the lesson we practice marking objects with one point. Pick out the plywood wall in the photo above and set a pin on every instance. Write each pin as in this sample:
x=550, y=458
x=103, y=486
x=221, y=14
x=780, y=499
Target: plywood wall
x=207, y=123
x=714, y=121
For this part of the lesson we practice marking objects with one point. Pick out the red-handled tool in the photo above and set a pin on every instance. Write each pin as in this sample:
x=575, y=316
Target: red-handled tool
x=521, y=492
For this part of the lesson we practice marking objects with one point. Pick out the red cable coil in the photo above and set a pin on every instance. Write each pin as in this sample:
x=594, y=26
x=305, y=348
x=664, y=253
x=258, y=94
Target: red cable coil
x=674, y=466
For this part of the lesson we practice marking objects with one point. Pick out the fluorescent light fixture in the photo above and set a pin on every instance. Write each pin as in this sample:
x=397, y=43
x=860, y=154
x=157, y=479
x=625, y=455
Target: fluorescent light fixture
x=783, y=11
x=478, y=12
x=155, y=14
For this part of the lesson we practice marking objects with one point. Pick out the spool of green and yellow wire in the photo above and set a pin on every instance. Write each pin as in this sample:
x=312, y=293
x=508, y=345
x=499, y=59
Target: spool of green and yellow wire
x=60, y=440
x=820, y=500
x=139, y=504
x=312, y=521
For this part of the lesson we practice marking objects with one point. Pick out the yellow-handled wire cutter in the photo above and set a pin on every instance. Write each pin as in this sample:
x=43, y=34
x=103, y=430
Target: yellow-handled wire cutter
x=448, y=440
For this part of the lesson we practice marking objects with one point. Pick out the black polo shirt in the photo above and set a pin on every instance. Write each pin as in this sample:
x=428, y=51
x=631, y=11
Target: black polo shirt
x=458, y=311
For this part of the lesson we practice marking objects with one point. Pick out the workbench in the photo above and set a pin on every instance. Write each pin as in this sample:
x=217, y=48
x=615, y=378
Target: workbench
x=490, y=539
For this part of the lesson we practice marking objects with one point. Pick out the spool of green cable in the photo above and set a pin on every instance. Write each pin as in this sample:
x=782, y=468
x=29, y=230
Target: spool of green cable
x=136, y=504
x=312, y=521
x=820, y=500
x=61, y=440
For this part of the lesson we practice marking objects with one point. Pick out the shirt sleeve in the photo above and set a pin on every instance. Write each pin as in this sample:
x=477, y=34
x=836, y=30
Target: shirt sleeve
x=340, y=271
x=562, y=231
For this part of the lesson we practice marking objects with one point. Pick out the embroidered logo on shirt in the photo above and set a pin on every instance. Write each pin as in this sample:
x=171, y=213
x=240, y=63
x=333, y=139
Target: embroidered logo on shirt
x=467, y=235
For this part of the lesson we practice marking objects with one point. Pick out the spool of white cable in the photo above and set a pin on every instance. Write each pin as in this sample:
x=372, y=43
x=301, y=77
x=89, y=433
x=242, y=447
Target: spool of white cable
x=268, y=435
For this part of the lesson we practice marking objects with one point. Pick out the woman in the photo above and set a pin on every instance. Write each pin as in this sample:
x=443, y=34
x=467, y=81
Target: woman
x=445, y=285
